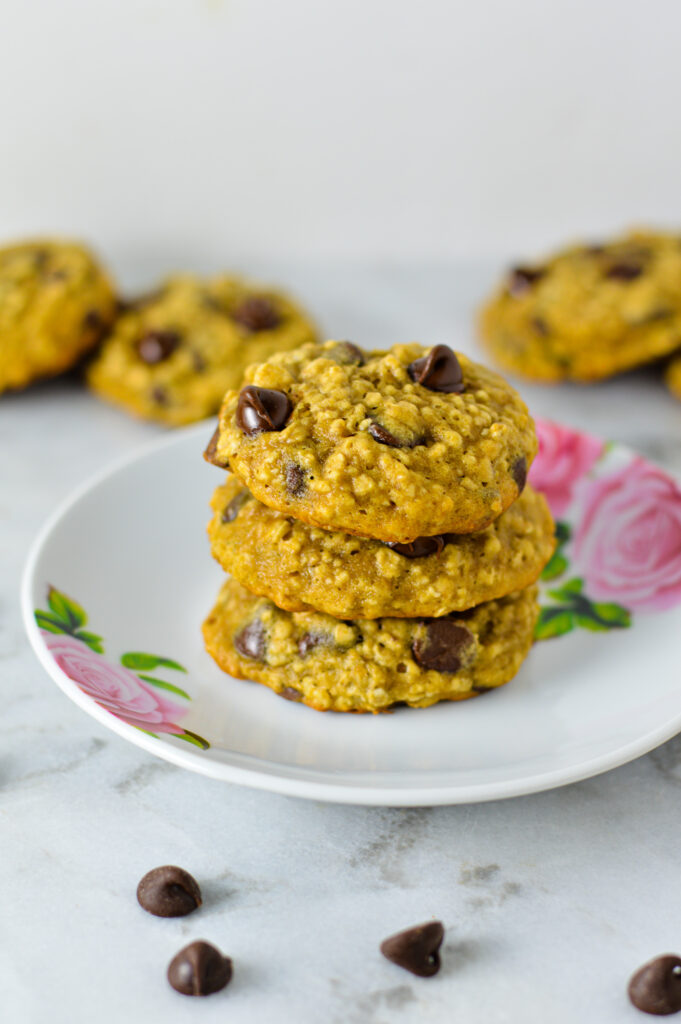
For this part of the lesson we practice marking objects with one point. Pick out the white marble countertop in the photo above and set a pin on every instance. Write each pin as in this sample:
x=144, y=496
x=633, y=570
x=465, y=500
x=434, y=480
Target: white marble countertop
x=549, y=901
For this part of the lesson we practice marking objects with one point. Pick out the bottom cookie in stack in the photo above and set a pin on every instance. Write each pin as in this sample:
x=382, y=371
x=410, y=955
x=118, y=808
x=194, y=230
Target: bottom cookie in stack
x=370, y=664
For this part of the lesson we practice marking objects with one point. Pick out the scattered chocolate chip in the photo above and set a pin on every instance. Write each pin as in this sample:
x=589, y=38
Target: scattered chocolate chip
x=624, y=271
x=384, y=436
x=519, y=473
x=93, y=320
x=290, y=693
x=256, y=313
x=211, y=452
x=540, y=325
x=295, y=478
x=233, y=507
x=169, y=891
x=443, y=645
x=261, y=409
x=521, y=279
x=440, y=370
x=416, y=949
x=250, y=642
x=420, y=547
x=656, y=987
x=309, y=641
x=160, y=395
x=199, y=970
x=482, y=689
x=347, y=354
x=156, y=346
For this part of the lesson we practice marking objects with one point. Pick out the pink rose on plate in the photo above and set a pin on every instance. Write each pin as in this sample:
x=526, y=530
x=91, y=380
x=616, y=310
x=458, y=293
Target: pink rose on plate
x=113, y=687
x=628, y=543
x=564, y=457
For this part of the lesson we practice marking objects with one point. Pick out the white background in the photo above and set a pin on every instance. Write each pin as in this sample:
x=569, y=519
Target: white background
x=200, y=132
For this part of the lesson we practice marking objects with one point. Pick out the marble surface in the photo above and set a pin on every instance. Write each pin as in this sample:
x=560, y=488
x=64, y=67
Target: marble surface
x=549, y=901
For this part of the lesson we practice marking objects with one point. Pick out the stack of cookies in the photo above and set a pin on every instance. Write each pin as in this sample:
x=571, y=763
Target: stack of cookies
x=381, y=543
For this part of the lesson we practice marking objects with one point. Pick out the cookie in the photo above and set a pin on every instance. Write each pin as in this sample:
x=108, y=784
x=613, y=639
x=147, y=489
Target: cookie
x=172, y=355
x=55, y=302
x=369, y=664
x=392, y=445
x=302, y=568
x=673, y=376
x=589, y=311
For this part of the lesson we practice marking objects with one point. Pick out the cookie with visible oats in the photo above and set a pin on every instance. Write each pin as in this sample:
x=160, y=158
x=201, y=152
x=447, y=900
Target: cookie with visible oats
x=55, y=302
x=370, y=664
x=392, y=445
x=589, y=311
x=172, y=354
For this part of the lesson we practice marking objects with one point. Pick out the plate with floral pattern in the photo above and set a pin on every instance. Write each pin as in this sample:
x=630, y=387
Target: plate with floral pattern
x=120, y=579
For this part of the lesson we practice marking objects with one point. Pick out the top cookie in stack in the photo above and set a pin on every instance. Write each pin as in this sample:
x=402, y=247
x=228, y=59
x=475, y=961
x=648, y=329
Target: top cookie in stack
x=369, y=526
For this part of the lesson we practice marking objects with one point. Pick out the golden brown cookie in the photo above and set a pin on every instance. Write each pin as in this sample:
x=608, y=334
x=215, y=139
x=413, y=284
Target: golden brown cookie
x=589, y=311
x=55, y=302
x=673, y=376
x=172, y=355
x=392, y=445
x=370, y=664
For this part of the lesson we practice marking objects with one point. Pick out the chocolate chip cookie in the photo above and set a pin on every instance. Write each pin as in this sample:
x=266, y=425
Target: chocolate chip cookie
x=391, y=445
x=369, y=664
x=589, y=311
x=172, y=354
x=302, y=568
x=55, y=302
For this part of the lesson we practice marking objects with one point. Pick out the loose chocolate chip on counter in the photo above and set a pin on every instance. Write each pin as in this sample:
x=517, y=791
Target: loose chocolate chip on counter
x=656, y=987
x=347, y=354
x=233, y=507
x=290, y=693
x=519, y=473
x=624, y=271
x=296, y=482
x=157, y=346
x=443, y=645
x=211, y=452
x=250, y=642
x=440, y=370
x=416, y=949
x=256, y=313
x=199, y=970
x=261, y=409
x=420, y=547
x=521, y=279
x=169, y=891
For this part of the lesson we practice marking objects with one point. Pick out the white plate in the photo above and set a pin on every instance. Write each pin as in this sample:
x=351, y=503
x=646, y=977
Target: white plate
x=130, y=548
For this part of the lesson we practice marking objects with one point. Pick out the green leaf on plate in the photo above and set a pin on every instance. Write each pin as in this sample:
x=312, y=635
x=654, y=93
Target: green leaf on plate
x=555, y=567
x=589, y=622
x=193, y=737
x=70, y=613
x=553, y=622
x=563, y=532
x=139, y=660
x=165, y=686
x=91, y=639
x=568, y=591
x=49, y=622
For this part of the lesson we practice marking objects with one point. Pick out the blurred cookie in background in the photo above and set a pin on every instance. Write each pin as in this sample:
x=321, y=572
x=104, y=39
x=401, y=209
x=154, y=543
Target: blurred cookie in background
x=55, y=303
x=673, y=376
x=589, y=311
x=172, y=354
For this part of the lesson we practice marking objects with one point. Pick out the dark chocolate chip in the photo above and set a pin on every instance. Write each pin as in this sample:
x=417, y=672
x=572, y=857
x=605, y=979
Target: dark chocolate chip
x=160, y=395
x=157, y=346
x=384, y=436
x=416, y=949
x=443, y=645
x=519, y=473
x=233, y=507
x=199, y=970
x=296, y=481
x=521, y=279
x=420, y=547
x=482, y=689
x=169, y=891
x=250, y=642
x=290, y=693
x=93, y=320
x=309, y=641
x=540, y=325
x=347, y=354
x=656, y=987
x=440, y=370
x=261, y=409
x=256, y=313
x=624, y=271
x=211, y=452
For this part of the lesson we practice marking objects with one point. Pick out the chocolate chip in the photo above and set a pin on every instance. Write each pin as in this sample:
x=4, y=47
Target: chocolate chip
x=440, y=370
x=519, y=473
x=443, y=645
x=420, y=547
x=540, y=325
x=347, y=354
x=199, y=970
x=296, y=481
x=290, y=693
x=233, y=507
x=416, y=949
x=521, y=279
x=160, y=395
x=93, y=320
x=169, y=891
x=309, y=641
x=250, y=642
x=624, y=271
x=384, y=436
x=261, y=409
x=211, y=452
x=482, y=689
x=656, y=987
x=256, y=313
x=157, y=346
